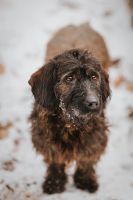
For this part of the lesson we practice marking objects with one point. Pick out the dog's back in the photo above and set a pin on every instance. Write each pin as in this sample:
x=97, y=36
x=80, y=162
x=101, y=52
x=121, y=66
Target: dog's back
x=82, y=36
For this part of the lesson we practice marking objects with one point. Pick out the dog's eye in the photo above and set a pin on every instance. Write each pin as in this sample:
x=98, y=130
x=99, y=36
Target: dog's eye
x=94, y=78
x=69, y=78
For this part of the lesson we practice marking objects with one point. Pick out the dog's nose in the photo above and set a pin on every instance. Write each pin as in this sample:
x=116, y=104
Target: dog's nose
x=92, y=104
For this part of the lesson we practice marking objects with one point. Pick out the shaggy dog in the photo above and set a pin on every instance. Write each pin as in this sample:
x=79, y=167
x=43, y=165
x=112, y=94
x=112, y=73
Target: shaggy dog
x=68, y=121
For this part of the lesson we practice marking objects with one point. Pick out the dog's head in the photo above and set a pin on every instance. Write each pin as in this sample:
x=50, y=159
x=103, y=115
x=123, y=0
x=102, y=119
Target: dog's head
x=74, y=82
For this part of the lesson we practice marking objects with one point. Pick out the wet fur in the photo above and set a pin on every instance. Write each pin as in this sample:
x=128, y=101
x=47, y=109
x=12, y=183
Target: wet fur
x=61, y=139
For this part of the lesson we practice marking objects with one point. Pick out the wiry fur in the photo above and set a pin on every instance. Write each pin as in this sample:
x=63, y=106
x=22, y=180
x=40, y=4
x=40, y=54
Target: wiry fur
x=61, y=131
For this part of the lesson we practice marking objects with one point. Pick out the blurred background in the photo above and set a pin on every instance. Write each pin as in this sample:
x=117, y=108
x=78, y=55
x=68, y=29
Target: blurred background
x=26, y=26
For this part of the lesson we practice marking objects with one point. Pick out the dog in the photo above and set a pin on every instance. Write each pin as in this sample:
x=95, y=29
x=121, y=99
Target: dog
x=68, y=122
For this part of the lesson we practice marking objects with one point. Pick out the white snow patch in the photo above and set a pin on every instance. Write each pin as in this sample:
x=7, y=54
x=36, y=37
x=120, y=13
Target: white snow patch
x=26, y=26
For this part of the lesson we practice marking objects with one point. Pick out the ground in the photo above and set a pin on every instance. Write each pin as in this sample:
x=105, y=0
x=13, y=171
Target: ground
x=26, y=26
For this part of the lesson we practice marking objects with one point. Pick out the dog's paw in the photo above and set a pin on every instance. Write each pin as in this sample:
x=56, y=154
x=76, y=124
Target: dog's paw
x=51, y=186
x=90, y=185
x=85, y=183
x=55, y=180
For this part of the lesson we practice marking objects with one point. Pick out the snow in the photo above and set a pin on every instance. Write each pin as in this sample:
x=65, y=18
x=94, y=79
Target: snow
x=26, y=27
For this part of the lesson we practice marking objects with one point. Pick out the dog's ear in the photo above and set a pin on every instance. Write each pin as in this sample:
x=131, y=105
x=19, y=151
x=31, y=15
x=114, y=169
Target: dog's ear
x=105, y=88
x=42, y=83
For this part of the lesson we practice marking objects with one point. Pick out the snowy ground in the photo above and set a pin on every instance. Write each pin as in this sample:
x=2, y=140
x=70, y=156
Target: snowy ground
x=26, y=26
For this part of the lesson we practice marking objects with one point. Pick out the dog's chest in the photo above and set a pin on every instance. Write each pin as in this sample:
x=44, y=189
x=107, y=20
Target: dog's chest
x=73, y=141
x=70, y=138
x=66, y=137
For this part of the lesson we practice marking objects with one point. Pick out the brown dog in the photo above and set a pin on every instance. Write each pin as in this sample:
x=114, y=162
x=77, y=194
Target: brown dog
x=68, y=121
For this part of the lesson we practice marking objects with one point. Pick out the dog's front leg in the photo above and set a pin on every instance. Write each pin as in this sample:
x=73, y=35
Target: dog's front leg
x=85, y=177
x=56, y=179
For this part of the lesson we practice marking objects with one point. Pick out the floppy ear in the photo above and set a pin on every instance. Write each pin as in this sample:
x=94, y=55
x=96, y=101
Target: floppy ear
x=105, y=88
x=42, y=83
